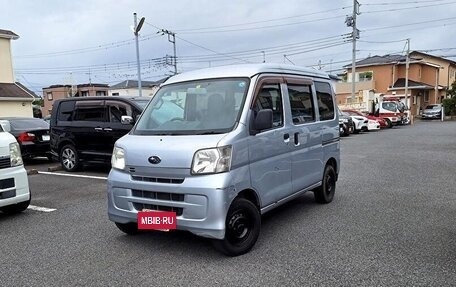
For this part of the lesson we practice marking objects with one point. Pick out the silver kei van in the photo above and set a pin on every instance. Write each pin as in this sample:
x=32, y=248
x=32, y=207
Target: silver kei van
x=221, y=146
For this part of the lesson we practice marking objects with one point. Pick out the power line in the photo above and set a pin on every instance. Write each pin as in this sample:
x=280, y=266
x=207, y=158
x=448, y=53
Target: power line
x=264, y=27
x=88, y=49
x=408, y=8
x=401, y=3
x=259, y=22
x=408, y=24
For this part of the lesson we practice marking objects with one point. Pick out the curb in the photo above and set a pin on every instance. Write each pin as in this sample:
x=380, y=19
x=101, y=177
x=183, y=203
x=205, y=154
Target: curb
x=55, y=168
x=32, y=171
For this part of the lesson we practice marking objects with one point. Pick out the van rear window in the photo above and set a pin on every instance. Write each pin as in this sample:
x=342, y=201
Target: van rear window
x=65, y=111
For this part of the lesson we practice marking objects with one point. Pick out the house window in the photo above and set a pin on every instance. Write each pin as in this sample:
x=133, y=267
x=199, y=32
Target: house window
x=49, y=96
x=101, y=93
x=115, y=94
x=85, y=94
x=365, y=76
x=426, y=96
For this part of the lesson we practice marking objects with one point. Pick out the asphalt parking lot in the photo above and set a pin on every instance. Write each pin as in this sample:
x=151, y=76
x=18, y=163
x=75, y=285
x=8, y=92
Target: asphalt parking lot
x=392, y=223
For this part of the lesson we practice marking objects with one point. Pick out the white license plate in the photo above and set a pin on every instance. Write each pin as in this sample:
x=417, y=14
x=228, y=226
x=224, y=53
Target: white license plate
x=46, y=137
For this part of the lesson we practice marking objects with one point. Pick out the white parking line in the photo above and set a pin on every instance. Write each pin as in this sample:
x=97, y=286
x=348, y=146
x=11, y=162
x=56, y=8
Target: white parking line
x=42, y=209
x=72, y=175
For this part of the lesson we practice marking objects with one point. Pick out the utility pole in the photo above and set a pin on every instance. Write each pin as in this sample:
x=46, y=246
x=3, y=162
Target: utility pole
x=136, y=29
x=351, y=22
x=407, y=64
x=172, y=39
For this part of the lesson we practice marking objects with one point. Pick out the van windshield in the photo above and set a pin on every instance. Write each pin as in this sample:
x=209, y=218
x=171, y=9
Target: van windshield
x=198, y=107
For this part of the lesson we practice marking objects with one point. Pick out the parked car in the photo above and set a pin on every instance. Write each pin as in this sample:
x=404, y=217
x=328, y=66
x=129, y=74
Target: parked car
x=432, y=112
x=381, y=121
x=346, y=125
x=14, y=187
x=32, y=134
x=84, y=130
x=243, y=140
x=362, y=123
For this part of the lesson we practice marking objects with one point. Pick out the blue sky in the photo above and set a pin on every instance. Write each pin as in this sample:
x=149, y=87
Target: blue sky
x=64, y=42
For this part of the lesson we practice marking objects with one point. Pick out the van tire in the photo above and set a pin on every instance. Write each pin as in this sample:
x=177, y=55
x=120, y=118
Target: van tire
x=325, y=193
x=69, y=158
x=389, y=124
x=16, y=208
x=242, y=228
x=128, y=228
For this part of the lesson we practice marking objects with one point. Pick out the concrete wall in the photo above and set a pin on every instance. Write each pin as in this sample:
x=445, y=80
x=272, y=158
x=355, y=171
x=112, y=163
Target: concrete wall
x=16, y=109
x=6, y=64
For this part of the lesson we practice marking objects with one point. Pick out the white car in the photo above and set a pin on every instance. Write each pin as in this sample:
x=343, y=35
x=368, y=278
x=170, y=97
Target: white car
x=14, y=188
x=362, y=123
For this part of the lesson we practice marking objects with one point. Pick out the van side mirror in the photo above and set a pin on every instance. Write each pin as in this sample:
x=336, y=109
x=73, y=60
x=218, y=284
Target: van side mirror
x=262, y=121
x=5, y=125
x=126, y=120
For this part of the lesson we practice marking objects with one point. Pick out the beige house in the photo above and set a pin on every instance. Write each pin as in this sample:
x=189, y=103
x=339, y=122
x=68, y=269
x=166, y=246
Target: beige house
x=429, y=77
x=56, y=92
x=15, y=99
x=130, y=88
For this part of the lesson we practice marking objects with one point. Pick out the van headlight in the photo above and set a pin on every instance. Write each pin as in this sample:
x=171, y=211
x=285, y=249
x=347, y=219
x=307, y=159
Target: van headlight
x=212, y=160
x=118, y=158
x=15, y=154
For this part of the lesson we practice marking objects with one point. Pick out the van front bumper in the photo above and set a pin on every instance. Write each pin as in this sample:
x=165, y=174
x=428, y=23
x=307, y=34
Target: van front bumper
x=19, y=188
x=200, y=202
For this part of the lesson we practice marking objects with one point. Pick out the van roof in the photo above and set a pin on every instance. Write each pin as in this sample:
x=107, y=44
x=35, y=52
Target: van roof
x=245, y=70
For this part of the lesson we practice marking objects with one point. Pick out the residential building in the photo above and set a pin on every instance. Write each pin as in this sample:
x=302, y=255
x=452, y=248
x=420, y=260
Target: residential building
x=15, y=99
x=55, y=92
x=130, y=88
x=428, y=78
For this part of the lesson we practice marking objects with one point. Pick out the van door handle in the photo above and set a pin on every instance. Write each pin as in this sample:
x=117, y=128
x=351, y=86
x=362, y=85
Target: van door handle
x=296, y=139
x=286, y=137
x=98, y=129
x=107, y=129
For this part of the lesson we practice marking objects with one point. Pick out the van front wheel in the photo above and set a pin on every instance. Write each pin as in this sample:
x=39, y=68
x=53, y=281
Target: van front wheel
x=242, y=228
x=128, y=228
x=325, y=193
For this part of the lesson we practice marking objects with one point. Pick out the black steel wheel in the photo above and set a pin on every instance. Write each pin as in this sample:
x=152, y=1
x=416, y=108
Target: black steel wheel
x=325, y=193
x=242, y=228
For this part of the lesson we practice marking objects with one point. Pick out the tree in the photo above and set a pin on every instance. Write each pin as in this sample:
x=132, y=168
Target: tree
x=449, y=104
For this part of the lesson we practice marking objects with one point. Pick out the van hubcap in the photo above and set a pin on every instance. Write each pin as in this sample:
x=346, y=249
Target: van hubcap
x=329, y=184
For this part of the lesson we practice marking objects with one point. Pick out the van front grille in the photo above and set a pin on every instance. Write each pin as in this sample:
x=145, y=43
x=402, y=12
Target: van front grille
x=5, y=162
x=142, y=206
x=158, y=195
x=158, y=179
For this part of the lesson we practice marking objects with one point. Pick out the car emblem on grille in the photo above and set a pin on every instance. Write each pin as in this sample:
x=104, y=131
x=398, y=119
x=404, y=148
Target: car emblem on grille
x=154, y=159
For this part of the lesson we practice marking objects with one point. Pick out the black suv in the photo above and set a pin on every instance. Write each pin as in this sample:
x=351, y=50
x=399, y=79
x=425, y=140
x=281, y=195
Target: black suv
x=84, y=130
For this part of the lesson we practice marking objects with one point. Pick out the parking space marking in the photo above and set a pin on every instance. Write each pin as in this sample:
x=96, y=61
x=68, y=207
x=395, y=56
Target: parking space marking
x=72, y=175
x=42, y=209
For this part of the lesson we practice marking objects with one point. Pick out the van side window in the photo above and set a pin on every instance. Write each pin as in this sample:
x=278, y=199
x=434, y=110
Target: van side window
x=270, y=97
x=301, y=102
x=65, y=111
x=117, y=110
x=86, y=111
x=325, y=101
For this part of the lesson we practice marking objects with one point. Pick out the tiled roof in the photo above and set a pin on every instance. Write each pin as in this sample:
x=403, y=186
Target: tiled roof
x=400, y=83
x=381, y=60
x=28, y=91
x=8, y=34
x=12, y=90
x=134, y=84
